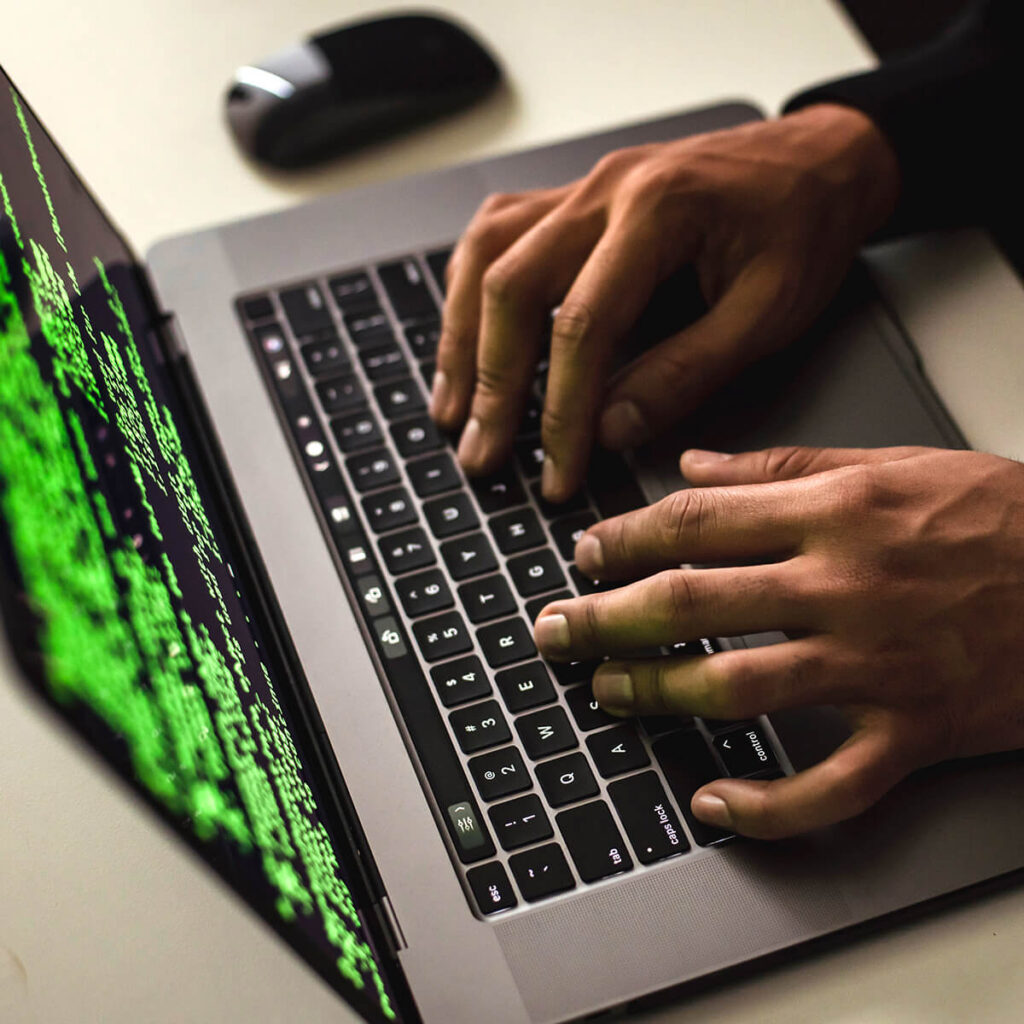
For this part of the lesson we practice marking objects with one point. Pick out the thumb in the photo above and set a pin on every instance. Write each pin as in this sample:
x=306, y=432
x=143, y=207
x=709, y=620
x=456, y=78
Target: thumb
x=786, y=463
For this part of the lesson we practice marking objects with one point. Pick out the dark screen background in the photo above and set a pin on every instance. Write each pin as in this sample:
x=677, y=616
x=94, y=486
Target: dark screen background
x=120, y=590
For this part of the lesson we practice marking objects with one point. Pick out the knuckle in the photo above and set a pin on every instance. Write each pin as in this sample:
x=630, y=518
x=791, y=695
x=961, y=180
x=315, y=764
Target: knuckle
x=687, y=515
x=499, y=283
x=495, y=203
x=557, y=423
x=572, y=326
x=726, y=685
x=787, y=461
x=491, y=386
x=677, y=593
x=616, y=163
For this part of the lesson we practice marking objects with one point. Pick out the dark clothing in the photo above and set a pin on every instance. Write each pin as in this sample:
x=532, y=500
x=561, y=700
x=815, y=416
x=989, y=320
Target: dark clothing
x=951, y=111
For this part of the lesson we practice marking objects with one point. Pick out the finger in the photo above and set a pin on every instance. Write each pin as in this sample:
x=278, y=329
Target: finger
x=673, y=377
x=713, y=524
x=846, y=783
x=680, y=604
x=519, y=291
x=810, y=671
x=499, y=222
x=787, y=463
x=606, y=298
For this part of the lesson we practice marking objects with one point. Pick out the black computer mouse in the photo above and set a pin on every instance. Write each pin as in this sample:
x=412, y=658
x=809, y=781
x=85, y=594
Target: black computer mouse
x=354, y=85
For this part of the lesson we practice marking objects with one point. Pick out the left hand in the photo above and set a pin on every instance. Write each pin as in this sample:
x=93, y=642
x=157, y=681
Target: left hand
x=898, y=572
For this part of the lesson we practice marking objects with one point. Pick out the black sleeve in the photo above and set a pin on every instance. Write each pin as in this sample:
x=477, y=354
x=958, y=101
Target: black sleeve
x=951, y=111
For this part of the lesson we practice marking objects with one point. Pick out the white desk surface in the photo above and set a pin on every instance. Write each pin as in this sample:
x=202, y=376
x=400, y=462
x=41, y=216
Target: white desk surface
x=103, y=917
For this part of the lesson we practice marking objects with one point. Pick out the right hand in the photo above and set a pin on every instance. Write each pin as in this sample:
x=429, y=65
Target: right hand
x=770, y=215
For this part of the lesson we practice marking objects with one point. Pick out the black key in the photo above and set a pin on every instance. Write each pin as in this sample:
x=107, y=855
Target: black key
x=517, y=531
x=491, y=888
x=257, y=308
x=434, y=474
x=687, y=763
x=340, y=516
x=460, y=681
x=500, y=773
x=406, y=551
x=369, y=326
x=584, y=585
x=389, y=637
x=424, y=593
x=659, y=725
x=594, y=841
x=340, y=394
x=451, y=514
x=442, y=636
x=468, y=556
x=525, y=686
x=357, y=430
x=498, y=491
x=568, y=531
x=406, y=288
x=566, y=780
x=535, y=606
x=480, y=726
x=427, y=371
x=530, y=456
x=569, y=672
x=325, y=356
x=416, y=436
x=353, y=293
x=423, y=338
x=438, y=261
x=270, y=338
x=372, y=595
x=487, y=599
x=465, y=827
x=372, y=469
x=520, y=822
x=650, y=821
x=305, y=309
x=541, y=872
x=505, y=642
x=746, y=750
x=387, y=510
x=612, y=484
x=382, y=362
x=550, y=510
x=536, y=572
x=356, y=554
x=399, y=398
x=586, y=712
x=546, y=732
x=617, y=750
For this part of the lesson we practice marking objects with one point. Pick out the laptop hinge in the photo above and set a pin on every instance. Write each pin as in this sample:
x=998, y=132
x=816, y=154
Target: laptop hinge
x=389, y=925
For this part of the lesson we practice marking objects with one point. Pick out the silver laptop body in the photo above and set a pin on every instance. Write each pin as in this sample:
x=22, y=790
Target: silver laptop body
x=603, y=945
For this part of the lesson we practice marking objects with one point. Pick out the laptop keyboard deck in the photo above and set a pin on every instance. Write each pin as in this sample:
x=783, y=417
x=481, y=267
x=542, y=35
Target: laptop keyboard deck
x=447, y=575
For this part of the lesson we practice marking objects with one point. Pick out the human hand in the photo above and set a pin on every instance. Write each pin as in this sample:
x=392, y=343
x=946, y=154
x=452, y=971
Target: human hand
x=769, y=214
x=899, y=575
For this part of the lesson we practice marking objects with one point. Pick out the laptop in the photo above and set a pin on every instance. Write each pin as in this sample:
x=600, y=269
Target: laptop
x=241, y=562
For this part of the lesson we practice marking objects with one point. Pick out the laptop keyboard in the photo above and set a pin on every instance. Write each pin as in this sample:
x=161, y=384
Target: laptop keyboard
x=538, y=790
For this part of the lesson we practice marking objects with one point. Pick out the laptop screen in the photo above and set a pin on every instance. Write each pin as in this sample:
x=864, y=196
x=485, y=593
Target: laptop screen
x=120, y=593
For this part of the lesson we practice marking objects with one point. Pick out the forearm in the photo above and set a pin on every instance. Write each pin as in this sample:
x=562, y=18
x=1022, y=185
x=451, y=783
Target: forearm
x=948, y=111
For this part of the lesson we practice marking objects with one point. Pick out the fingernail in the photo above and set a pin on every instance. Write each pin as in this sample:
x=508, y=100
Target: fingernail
x=700, y=457
x=614, y=691
x=623, y=425
x=552, y=634
x=549, y=478
x=711, y=809
x=471, y=445
x=440, y=393
x=590, y=555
